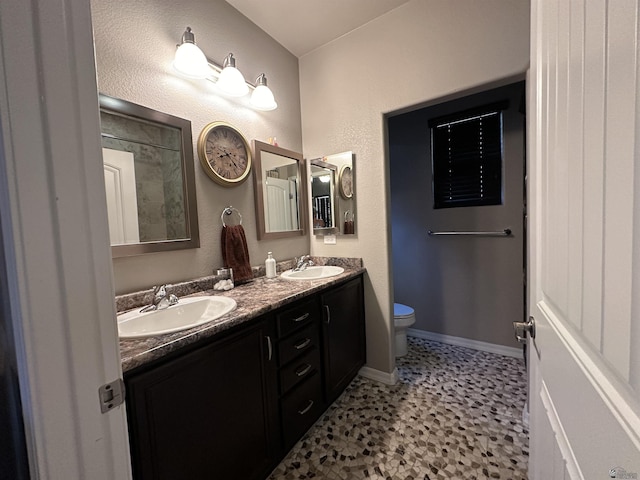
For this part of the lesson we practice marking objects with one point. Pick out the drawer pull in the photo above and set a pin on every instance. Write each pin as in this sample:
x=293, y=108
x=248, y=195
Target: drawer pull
x=301, y=372
x=328, y=310
x=307, y=408
x=301, y=318
x=303, y=344
x=270, y=347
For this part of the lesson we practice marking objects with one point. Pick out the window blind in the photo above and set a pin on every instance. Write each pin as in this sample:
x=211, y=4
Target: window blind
x=467, y=158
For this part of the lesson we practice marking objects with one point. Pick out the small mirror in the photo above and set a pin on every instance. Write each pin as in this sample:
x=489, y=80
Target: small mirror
x=323, y=197
x=149, y=179
x=279, y=191
x=344, y=162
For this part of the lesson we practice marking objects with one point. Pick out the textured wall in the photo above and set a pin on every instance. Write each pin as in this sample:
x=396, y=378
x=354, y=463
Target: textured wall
x=135, y=43
x=423, y=50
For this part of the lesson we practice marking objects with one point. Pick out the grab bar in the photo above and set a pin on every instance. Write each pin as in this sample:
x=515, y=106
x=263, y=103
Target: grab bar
x=501, y=233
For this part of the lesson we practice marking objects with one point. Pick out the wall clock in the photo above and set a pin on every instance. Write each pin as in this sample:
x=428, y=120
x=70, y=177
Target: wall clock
x=224, y=154
x=345, y=181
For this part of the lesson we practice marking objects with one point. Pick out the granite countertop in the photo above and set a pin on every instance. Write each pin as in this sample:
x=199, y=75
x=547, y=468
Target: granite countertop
x=253, y=299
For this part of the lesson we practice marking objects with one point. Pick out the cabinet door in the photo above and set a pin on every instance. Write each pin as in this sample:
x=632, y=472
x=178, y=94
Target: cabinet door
x=209, y=414
x=344, y=340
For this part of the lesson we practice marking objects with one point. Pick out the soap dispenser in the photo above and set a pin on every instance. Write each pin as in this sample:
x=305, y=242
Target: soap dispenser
x=270, y=265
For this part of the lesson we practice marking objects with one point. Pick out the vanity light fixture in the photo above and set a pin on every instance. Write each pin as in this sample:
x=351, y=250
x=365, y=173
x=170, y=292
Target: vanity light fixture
x=189, y=59
x=192, y=62
x=262, y=97
x=231, y=81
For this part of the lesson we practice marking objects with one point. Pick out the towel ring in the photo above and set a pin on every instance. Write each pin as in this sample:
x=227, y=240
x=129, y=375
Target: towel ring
x=228, y=211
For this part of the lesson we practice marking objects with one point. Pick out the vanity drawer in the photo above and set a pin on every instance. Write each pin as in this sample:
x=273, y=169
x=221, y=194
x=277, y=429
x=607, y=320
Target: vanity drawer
x=301, y=408
x=300, y=369
x=298, y=343
x=302, y=314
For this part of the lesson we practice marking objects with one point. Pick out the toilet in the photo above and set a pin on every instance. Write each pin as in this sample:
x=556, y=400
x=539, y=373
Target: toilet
x=403, y=318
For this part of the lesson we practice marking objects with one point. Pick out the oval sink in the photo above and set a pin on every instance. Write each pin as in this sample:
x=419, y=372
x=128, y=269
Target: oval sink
x=188, y=313
x=313, y=273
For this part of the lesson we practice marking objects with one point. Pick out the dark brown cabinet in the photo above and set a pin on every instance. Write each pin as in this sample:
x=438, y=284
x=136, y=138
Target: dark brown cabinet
x=344, y=335
x=232, y=407
x=211, y=413
x=300, y=360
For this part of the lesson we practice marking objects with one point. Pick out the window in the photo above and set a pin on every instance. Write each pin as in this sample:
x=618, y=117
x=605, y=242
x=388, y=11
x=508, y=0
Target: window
x=467, y=157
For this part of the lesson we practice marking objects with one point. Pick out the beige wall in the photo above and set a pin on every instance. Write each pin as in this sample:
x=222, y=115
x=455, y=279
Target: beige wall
x=135, y=43
x=419, y=52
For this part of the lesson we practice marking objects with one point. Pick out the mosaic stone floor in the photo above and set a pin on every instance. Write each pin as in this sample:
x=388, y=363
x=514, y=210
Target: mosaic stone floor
x=455, y=413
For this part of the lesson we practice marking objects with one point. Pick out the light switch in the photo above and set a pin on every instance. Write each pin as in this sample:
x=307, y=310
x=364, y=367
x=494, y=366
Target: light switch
x=329, y=239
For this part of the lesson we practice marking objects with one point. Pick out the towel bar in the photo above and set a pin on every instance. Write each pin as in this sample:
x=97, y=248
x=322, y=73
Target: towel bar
x=501, y=233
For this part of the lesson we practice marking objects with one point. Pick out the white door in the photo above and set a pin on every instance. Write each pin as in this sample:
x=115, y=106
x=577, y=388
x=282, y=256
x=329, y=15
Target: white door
x=122, y=203
x=56, y=242
x=278, y=197
x=584, y=116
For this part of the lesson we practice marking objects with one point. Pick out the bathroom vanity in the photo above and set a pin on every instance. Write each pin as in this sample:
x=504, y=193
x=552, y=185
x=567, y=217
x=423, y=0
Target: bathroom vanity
x=229, y=400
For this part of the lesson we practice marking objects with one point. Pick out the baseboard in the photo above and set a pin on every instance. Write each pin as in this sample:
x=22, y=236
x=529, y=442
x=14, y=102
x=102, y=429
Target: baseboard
x=380, y=376
x=466, y=342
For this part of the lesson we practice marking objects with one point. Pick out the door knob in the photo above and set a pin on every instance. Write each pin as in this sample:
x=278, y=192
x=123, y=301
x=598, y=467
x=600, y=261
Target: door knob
x=522, y=328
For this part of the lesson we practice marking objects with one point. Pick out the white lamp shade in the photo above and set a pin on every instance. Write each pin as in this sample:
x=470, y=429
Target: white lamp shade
x=232, y=82
x=191, y=62
x=262, y=98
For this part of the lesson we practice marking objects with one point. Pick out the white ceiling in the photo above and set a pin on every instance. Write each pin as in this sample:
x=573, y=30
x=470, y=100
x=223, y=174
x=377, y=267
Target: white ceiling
x=304, y=25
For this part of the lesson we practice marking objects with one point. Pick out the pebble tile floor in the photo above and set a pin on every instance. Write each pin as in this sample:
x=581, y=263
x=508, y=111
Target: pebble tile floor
x=455, y=413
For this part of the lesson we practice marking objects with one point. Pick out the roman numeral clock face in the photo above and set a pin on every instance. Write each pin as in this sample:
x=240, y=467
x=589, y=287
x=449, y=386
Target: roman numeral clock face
x=224, y=154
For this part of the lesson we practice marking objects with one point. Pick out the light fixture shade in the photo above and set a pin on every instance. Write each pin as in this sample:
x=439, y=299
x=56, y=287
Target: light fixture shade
x=231, y=80
x=262, y=96
x=189, y=59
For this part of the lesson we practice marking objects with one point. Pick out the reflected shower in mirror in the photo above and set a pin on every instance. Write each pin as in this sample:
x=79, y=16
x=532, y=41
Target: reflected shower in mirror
x=149, y=179
x=279, y=191
x=323, y=197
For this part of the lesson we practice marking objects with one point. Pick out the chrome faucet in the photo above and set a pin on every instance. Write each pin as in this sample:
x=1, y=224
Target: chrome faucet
x=161, y=299
x=302, y=263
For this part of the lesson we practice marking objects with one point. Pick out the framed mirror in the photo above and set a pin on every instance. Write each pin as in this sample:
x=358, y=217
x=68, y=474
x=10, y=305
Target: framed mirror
x=323, y=197
x=279, y=191
x=149, y=179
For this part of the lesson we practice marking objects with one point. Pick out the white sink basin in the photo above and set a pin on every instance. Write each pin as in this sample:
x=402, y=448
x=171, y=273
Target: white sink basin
x=313, y=273
x=187, y=313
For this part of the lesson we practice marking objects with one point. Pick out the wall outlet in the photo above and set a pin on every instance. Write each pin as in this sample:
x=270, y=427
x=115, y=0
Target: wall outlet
x=329, y=239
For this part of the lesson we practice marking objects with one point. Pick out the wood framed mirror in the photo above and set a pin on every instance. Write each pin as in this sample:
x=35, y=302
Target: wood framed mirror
x=149, y=179
x=280, y=191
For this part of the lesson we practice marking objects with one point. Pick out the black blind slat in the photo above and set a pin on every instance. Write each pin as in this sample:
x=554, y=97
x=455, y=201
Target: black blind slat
x=467, y=159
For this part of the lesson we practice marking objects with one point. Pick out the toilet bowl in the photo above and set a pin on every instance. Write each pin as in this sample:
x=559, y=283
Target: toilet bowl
x=403, y=318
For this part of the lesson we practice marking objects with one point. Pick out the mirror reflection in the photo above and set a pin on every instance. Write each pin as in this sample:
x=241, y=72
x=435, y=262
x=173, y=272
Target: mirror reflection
x=149, y=179
x=344, y=162
x=323, y=197
x=278, y=191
